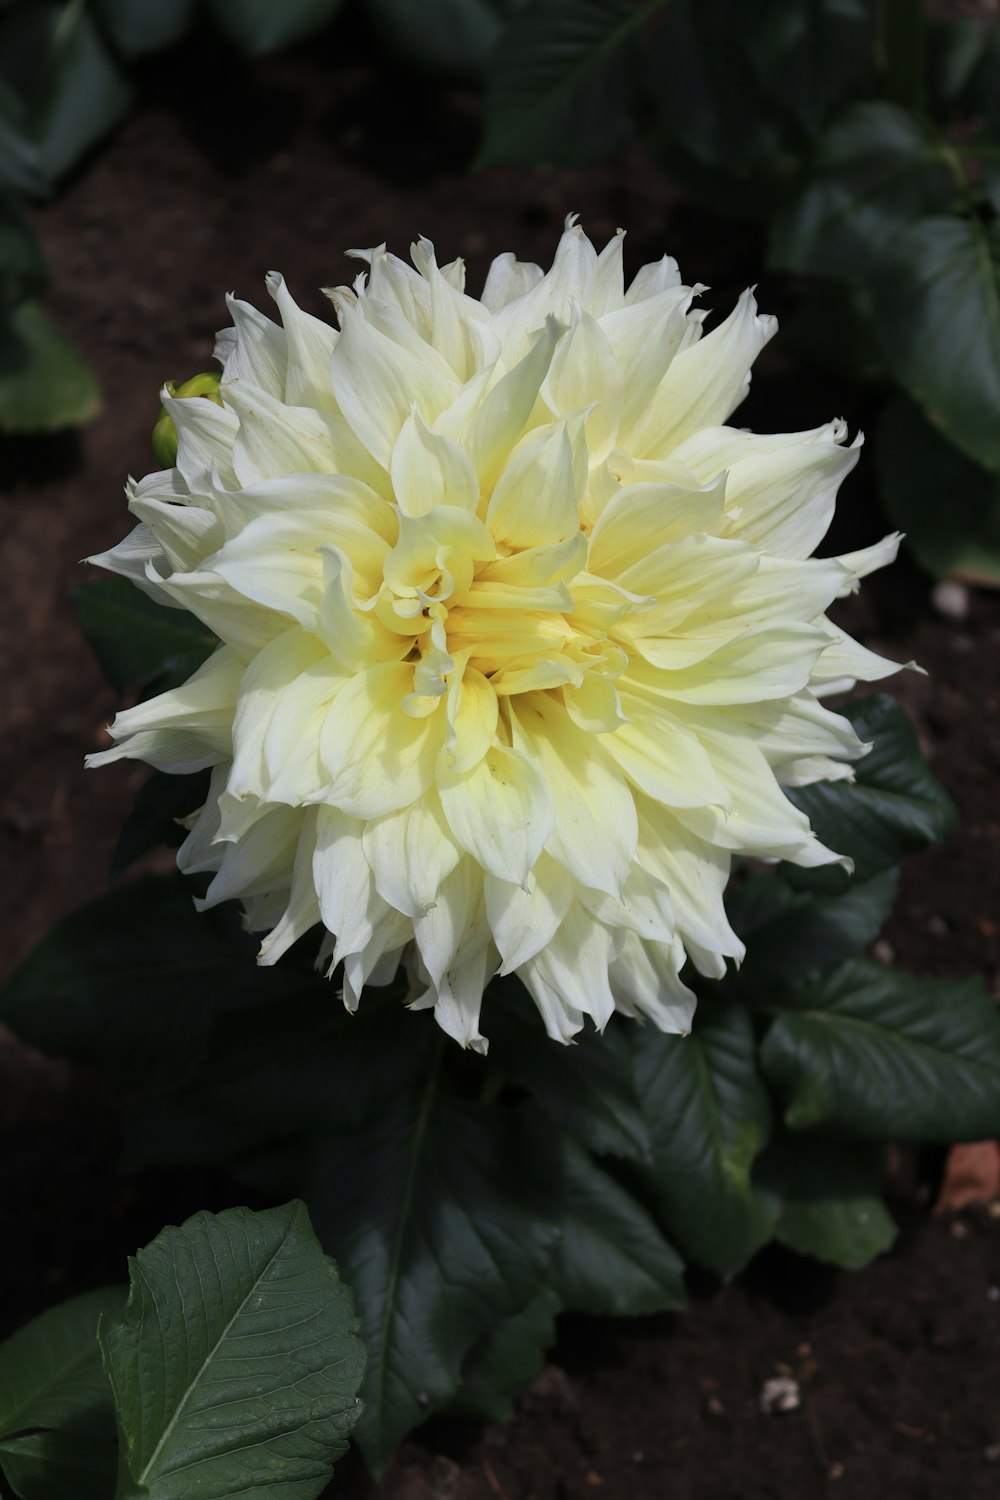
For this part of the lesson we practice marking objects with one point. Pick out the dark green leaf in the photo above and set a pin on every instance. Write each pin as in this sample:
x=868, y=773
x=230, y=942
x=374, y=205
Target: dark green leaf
x=23, y=272
x=61, y=1465
x=792, y=933
x=259, y=26
x=894, y=807
x=305, y=1064
x=870, y=1051
x=831, y=327
x=809, y=55
x=936, y=298
x=50, y=1370
x=558, y=88
x=136, y=27
x=19, y=167
x=708, y=1116
x=44, y=384
x=876, y=170
x=80, y=95
x=135, y=639
x=916, y=467
x=153, y=820
x=504, y=1363
x=831, y=1206
x=953, y=52
x=236, y=1364
x=612, y=1257
x=455, y=36
x=133, y=981
x=430, y=1212
x=588, y=1089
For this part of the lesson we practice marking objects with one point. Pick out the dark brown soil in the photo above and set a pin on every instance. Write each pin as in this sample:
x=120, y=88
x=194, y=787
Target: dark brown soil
x=899, y=1365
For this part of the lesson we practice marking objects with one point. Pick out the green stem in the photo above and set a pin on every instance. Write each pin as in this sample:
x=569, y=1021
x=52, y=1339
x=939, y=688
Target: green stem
x=903, y=51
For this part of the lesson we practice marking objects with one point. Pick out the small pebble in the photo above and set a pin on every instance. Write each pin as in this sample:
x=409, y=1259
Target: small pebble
x=993, y=1294
x=950, y=599
x=884, y=951
x=780, y=1393
x=937, y=926
x=836, y=1471
x=992, y=1453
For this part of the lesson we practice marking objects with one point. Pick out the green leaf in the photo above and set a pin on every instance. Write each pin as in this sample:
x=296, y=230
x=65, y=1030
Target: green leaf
x=936, y=299
x=136, y=27
x=44, y=384
x=159, y=802
x=807, y=56
x=80, y=95
x=876, y=169
x=453, y=36
x=23, y=272
x=831, y=1206
x=894, y=807
x=612, y=1257
x=61, y=1465
x=870, y=1051
x=953, y=52
x=916, y=465
x=430, y=1212
x=558, y=88
x=589, y=1088
x=504, y=1363
x=259, y=26
x=19, y=168
x=305, y=1064
x=50, y=1370
x=792, y=933
x=236, y=1364
x=135, y=639
x=133, y=981
x=708, y=1116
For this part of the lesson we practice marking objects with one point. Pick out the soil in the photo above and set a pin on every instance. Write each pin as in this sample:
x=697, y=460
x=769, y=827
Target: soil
x=284, y=166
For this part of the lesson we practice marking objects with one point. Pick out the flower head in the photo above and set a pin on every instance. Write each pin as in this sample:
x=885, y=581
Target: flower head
x=519, y=642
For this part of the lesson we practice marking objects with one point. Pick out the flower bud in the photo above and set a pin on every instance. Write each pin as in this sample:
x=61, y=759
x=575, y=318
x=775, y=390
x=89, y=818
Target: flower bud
x=164, y=432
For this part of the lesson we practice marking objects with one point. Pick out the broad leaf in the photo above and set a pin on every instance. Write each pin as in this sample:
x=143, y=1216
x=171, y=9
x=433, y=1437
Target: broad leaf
x=612, y=1257
x=61, y=1465
x=50, y=1370
x=259, y=26
x=870, y=1051
x=791, y=933
x=236, y=1364
x=306, y=1064
x=809, y=55
x=44, y=384
x=80, y=96
x=589, y=1088
x=18, y=155
x=132, y=982
x=455, y=36
x=136, y=27
x=23, y=272
x=936, y=298
x=160, y=802
x=137, y=640
x=709, y=1116
x=430, y=1212
x=894, y=806
x=505, y=1362
x=831, y=1206
x=876, y=170
x=559, y=86
x=916, y=466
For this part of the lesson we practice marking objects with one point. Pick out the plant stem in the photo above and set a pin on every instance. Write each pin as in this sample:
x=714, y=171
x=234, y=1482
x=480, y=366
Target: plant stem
x=903, y=51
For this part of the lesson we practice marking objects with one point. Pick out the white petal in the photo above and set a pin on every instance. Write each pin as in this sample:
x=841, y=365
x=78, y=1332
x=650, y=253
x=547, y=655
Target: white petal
x=500, y=811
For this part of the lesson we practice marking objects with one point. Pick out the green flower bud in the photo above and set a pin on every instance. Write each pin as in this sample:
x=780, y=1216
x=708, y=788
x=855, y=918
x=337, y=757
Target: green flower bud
x=164, y=431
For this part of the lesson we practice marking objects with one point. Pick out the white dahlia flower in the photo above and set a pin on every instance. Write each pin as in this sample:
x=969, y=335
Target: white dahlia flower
x=519, y=642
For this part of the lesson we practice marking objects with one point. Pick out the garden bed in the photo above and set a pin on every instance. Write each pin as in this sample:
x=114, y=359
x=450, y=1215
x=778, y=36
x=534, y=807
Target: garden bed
x=897, y=1366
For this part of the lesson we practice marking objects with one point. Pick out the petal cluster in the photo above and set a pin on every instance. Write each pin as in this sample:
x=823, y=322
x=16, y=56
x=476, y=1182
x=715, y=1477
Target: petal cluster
x=520, y=643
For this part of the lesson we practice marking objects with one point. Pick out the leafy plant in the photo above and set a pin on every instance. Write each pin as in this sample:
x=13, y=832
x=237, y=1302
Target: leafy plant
x=232, y=1367
x=467, y=1205
x=865, y=138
